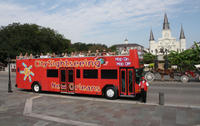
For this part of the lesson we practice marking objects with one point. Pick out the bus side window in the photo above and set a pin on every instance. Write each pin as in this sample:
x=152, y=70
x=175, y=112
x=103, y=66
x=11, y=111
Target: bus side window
x=90, y=74
x=123, y=81
x=78, y=73
x=52, y=73
x=62, y=75
x=108, y=74
x=70, y=76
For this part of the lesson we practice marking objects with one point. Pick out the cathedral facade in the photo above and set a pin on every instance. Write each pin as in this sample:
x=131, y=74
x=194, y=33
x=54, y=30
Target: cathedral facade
x=166, y=43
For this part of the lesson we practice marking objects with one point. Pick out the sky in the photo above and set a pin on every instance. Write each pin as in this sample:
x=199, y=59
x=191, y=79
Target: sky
x=107, y=21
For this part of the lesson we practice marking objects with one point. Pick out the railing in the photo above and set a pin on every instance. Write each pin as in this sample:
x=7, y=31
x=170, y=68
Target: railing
x=39, y=57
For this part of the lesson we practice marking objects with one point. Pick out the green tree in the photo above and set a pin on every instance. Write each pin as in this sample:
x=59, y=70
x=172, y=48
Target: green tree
x=94, y=47
x=186, y=59
x=113, y=48
x=30, y=38
x=148, y=58
x=174, y=58
x=79, y=46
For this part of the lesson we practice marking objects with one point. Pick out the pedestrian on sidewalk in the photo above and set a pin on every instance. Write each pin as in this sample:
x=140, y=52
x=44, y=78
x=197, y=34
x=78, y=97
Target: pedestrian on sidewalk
x=144, y=86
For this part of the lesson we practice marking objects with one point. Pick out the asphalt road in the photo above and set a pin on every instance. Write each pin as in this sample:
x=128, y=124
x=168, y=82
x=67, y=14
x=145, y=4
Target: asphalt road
x=24, y=108
x=175, y=92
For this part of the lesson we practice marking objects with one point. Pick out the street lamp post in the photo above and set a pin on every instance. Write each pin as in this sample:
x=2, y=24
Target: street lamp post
x=166, y=60
x=156, y=61
x=9, y=80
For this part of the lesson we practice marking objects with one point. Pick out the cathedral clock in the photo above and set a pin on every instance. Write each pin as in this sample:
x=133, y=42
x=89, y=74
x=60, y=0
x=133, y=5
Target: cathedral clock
x=166, y=35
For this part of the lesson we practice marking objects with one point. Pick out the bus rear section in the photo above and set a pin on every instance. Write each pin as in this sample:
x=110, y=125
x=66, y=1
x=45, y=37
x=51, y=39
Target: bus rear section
x=110, y=76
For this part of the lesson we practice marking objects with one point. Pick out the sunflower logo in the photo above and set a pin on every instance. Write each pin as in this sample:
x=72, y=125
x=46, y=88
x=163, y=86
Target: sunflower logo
x=27, y=72
x=101, y=60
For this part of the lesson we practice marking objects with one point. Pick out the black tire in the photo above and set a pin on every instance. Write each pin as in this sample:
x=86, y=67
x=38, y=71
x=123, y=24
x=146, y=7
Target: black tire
x=143, y=96
x=111, y=93
x=36, y=87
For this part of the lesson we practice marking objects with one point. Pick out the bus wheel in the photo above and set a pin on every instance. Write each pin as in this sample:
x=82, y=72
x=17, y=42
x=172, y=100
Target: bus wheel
x=111, y=93
x=36, y=88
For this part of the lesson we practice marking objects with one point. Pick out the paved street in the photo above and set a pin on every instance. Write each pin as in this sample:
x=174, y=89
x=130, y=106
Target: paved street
x=175, y=93
x=24, y=108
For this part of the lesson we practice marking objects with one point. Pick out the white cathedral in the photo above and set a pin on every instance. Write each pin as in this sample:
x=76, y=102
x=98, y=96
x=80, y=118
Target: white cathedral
x=167, y=43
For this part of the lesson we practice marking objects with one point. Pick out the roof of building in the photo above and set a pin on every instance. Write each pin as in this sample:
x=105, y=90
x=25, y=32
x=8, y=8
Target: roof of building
x=126, y=45
x=126, y=39
x=182, y=35
x=165, y=23
x=151, y=36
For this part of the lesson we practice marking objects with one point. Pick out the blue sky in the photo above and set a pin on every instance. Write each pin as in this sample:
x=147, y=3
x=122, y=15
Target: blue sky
x=106, y=21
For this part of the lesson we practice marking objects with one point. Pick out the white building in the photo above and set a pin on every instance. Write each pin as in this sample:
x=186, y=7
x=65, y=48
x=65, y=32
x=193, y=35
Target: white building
x=120, y=47
x=167, y=43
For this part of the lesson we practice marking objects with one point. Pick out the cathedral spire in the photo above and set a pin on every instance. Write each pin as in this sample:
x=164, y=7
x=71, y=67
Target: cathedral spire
x=166, y=23
x=126, y=41
x=151, y=36
x=182, y=35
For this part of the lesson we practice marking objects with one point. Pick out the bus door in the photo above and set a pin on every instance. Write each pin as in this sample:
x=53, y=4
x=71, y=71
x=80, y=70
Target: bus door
x=63, y=79
x=66, y=79
x=127, y=81
x=70, y=79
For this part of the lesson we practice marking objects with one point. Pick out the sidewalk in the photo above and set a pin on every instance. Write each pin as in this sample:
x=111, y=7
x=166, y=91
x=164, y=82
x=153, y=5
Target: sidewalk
x=56, y=109
x=174, y=82
x=24, y=108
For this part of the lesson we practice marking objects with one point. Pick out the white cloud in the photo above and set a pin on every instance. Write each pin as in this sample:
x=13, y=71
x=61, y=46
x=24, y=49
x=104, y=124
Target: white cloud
x=88, y=21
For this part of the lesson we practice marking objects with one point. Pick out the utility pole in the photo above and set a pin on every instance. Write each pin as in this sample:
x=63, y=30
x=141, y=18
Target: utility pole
x=9, y=80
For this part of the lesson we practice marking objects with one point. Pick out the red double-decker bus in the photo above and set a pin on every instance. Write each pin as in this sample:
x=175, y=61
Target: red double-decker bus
x=110, y=76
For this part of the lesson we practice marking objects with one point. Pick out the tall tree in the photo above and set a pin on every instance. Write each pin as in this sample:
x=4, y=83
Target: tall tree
x=78, y=46
x=148, y=58
x=30, y=38
x=113, y=48
x=186, y=59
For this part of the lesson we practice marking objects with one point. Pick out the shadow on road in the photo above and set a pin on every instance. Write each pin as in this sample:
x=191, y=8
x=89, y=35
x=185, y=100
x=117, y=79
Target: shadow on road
x=80, y=95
